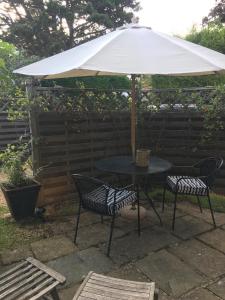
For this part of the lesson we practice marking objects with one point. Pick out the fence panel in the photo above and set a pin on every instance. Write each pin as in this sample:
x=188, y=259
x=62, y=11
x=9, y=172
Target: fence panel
x=12, y=131
x=69, y=143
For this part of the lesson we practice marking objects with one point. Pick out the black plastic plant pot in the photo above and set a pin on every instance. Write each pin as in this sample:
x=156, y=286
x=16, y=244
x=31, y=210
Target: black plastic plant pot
x=22, y=200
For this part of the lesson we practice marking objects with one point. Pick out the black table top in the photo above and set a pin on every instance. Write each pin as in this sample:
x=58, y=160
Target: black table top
x=125, y=165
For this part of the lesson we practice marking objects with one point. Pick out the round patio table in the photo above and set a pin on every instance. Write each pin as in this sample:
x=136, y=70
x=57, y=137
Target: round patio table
x=125, y=165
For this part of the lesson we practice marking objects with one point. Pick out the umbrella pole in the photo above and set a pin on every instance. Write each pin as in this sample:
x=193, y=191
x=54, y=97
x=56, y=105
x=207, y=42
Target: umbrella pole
x=133, y=118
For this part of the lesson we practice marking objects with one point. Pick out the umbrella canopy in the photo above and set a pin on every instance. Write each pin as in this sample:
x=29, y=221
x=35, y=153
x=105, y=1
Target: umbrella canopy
x=131, y=49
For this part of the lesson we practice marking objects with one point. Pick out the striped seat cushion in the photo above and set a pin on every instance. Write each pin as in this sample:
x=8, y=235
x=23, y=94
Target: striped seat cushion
x=191, y=186
x=96, y=199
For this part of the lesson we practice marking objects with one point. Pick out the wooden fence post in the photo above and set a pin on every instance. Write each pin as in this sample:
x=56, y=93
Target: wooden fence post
x=34, y=132
x=33, y=119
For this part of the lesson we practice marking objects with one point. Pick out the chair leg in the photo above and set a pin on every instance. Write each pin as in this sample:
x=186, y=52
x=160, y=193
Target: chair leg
x=212, y=214
x=199, y=203
x=174, y=211
x=111, y=233
x=153, y=207
x=138, y=211
x=77, y=225
x=164, y=197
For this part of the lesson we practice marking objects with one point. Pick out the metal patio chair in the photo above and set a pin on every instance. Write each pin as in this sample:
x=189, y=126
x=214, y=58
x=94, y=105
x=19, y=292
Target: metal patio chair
x=98, y=197
x=198, y=186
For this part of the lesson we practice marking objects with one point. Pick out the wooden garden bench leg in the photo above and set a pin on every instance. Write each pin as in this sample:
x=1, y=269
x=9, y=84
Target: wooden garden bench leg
x=156, y=294
x=54, y=294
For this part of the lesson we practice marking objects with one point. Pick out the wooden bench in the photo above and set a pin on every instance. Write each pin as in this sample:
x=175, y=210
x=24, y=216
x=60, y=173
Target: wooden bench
x=100, y=287
x=30, y=280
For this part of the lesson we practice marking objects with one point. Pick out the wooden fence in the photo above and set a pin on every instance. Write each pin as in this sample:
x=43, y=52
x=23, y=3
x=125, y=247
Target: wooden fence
x=69, y=143
x=177, y=136
x=11, y=131
x=66, y=143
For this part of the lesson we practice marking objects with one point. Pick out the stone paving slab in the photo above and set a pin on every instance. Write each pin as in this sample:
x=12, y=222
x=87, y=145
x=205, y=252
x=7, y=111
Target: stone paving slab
x=172, y=275
x=12, y=256
x=52, y=248
x=201, y=294
x=133, y=247
x=128, y=225
x=76, y=266
x=129, y=272
x=215, y=238
x=208, y=261
x=218, y=288
x=166, y=216
x=205, y=215
x=88, y=218
x=188, y=226
x=64, y=227
x=68, y=293
x=89, y=236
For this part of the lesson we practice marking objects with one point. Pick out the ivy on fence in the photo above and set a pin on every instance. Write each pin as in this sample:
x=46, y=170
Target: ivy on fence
x=209, y=101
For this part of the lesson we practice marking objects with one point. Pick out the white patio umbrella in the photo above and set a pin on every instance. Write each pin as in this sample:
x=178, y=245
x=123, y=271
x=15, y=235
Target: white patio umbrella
x=134, y=50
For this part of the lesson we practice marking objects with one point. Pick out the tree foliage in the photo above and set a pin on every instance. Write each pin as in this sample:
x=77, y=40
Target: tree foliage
x=217, y=13
x=7, y=56
x=46, y=27
x=211, y=36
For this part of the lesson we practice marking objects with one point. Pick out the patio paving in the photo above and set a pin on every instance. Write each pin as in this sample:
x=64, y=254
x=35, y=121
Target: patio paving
x=188, y=263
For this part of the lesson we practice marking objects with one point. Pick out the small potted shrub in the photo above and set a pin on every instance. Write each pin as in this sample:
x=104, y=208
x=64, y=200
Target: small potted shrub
x=20, y=191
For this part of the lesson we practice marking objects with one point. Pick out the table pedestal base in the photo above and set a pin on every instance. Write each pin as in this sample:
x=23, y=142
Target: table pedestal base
x=130, y=212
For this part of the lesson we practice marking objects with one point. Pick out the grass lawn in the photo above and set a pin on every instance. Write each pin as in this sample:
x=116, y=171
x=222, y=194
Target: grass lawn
x=13, y=234
x=218, y=201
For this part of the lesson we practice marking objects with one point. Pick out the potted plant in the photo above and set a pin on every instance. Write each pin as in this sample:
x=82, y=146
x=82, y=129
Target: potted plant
x=20, y=190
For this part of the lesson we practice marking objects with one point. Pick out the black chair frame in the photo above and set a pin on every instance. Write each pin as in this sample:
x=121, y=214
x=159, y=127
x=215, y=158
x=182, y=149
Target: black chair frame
x=76, y=178
x=207, y=179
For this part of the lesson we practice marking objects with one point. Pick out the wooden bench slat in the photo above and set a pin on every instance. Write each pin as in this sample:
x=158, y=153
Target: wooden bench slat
x=85, y=298
x=47, y=270
x=29, y=280
x=114, y=293
x=104, y=297
x=80, y=289
x=143, y=285
x=28, y=286
x=20, y=284
x=118, y=286
x=100, y=287
x=16, y=274
x=18, y=279
x=45, y=291
x=13, y=269
x=131, y=282
x=37, y=288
